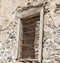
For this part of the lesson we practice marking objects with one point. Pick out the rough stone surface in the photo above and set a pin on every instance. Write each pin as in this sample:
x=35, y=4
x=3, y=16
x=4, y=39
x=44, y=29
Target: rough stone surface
x=51, y=39
x=8, y=32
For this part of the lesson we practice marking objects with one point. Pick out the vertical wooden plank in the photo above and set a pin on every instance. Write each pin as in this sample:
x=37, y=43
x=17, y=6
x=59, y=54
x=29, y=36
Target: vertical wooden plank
x=40, y=35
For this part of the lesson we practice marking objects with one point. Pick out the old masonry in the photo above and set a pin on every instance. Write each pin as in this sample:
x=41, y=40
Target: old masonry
x=30, y=31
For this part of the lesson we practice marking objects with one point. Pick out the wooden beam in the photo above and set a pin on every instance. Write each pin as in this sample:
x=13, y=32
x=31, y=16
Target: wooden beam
x=29, y=41
x=28, y=44
x=29, y=31
x=29, y=25
x=29, y=38
x=30, y=20
x=32, y=52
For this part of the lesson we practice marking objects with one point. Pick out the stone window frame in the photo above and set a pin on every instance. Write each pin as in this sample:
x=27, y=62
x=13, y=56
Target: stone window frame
x=40, y=36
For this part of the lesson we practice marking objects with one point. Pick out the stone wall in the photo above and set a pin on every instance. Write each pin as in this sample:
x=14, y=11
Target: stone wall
x=8, y=32
x=51, y=40
x=9, y=26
